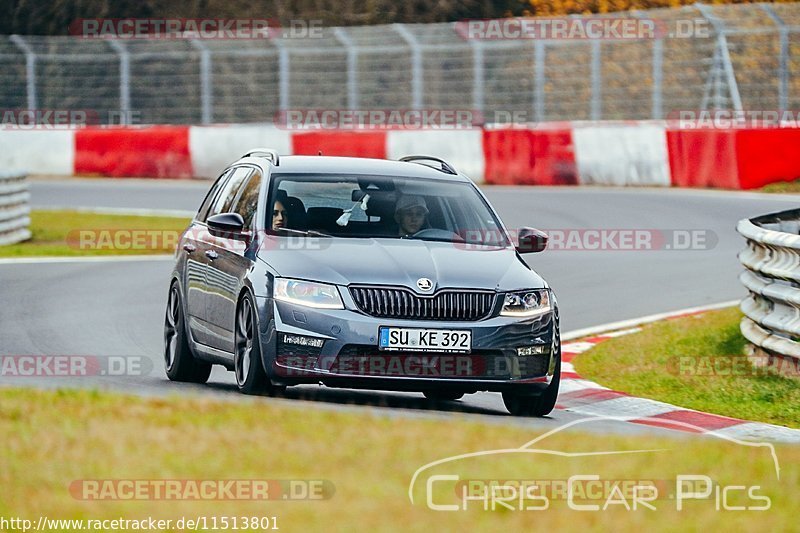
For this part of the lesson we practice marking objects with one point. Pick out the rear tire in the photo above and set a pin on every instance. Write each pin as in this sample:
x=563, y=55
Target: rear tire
x=249, y=371
x=443, y=396
x=179, y=361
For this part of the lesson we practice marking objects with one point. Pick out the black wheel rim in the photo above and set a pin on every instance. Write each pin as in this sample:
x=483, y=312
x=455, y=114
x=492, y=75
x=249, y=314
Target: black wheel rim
x=244, y=342
x=171, y=325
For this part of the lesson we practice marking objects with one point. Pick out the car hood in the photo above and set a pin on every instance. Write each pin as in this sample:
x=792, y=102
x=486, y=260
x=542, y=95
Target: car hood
x=401, y=262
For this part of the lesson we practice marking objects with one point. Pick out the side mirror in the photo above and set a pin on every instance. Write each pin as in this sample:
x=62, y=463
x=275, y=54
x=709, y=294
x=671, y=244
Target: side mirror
x=226, y=222
x=531, y=240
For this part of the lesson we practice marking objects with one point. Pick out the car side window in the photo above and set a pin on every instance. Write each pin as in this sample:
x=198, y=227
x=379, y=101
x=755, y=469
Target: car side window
x=247, y=199
x=202, y=213
x=224, y=200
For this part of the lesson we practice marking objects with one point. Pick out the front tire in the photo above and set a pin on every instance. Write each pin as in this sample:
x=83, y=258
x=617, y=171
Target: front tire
x=249, y=371
x=544, y=403
x=179, y=361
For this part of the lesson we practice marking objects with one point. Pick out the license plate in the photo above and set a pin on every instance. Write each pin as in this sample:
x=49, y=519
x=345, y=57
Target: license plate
x=425, y=340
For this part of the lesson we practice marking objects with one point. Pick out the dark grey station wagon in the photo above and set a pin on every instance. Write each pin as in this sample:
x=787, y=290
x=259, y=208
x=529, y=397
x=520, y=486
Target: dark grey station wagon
x=361, y=273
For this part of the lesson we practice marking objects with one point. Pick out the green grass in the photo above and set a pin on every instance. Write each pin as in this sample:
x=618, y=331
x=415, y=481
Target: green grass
x=782, y=187
x=53, y=438
x=58, y=233
x=648, y=364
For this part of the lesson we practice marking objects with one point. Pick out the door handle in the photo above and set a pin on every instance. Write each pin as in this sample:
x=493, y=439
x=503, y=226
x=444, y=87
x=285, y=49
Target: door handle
x=211, y=254
x=189, y=248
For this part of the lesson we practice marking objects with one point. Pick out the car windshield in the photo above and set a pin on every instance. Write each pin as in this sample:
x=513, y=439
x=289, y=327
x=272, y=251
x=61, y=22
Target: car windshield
x=382, y=207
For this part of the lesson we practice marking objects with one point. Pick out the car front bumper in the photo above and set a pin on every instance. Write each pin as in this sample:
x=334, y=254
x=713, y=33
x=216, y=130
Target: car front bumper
x=349, y=355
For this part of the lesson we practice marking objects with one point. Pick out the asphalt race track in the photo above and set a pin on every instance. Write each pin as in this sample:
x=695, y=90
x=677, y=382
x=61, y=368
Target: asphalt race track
x=108, y=308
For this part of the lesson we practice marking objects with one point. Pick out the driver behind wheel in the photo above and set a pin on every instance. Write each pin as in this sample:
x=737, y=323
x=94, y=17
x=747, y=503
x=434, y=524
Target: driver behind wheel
x=411, y=214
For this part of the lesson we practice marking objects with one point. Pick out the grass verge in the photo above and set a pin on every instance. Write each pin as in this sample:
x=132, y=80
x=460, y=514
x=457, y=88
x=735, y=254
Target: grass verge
x=782, y=187
x=72, y=233
x=53, y=439
x=694, y=362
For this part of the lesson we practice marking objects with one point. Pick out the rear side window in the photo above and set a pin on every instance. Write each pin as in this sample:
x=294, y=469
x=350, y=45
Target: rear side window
x=247, y=199
x=226, y=197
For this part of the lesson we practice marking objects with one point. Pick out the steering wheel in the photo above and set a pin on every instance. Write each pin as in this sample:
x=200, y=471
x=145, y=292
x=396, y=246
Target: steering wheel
x=436, y=233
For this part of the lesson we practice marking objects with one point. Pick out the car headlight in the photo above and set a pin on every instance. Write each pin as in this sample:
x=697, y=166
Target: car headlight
x=526, y=303
x=307, y=293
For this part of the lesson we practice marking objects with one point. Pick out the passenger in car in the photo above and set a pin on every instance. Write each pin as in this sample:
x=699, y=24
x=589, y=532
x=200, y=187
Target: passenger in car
x=411, y=214
x=280, y=215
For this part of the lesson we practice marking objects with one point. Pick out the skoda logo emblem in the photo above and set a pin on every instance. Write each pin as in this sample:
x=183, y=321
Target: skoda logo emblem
x=424, y=284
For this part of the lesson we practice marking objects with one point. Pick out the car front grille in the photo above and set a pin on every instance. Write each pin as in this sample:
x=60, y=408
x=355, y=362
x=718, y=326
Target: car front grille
x=397, y=302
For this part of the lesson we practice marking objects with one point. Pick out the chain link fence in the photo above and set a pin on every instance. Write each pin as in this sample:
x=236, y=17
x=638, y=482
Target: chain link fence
x=737, y=57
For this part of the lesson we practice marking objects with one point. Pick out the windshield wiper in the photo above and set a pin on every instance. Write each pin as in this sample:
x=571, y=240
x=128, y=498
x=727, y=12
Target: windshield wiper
x=310, y=232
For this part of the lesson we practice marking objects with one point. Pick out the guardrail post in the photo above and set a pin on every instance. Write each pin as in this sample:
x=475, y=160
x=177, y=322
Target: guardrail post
x=783, y=65
x=206, y=83
x=30, y=69
x=416, y=64
x=124, y=81
x=352, y=63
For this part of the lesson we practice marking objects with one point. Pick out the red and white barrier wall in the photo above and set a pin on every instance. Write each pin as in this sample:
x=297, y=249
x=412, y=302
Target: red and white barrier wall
x=569, y=153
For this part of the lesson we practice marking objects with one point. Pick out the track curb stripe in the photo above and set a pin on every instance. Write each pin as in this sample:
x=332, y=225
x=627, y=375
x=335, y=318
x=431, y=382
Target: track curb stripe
x=586, y=397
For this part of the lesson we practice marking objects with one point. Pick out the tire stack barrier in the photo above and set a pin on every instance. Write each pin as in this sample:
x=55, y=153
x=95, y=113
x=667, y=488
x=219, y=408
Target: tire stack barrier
x=772, y=309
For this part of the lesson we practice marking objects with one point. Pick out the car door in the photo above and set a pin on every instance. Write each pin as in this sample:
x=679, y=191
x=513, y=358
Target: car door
x=193, y=248
x=227, y=263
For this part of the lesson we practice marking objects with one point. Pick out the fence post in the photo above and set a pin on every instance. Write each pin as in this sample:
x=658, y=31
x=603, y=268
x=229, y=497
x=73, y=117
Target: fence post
x=283, y=76
x=478, y=80
x=352, y=62
x=783, y=65
x=596, y=105
x=658, y=79
x=657, y=69
x=124, y=81
x=416, y=65
x=539, y=79
x=30, y=69
x=206, y=83
x=722, y=59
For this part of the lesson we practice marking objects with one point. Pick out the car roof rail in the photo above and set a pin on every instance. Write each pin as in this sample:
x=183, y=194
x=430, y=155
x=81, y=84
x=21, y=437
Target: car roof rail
x=267, y=153
x=445, y=166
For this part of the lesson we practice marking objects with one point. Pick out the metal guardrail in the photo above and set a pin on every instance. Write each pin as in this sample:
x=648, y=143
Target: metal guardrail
x=14, y=208
x=772, y=276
